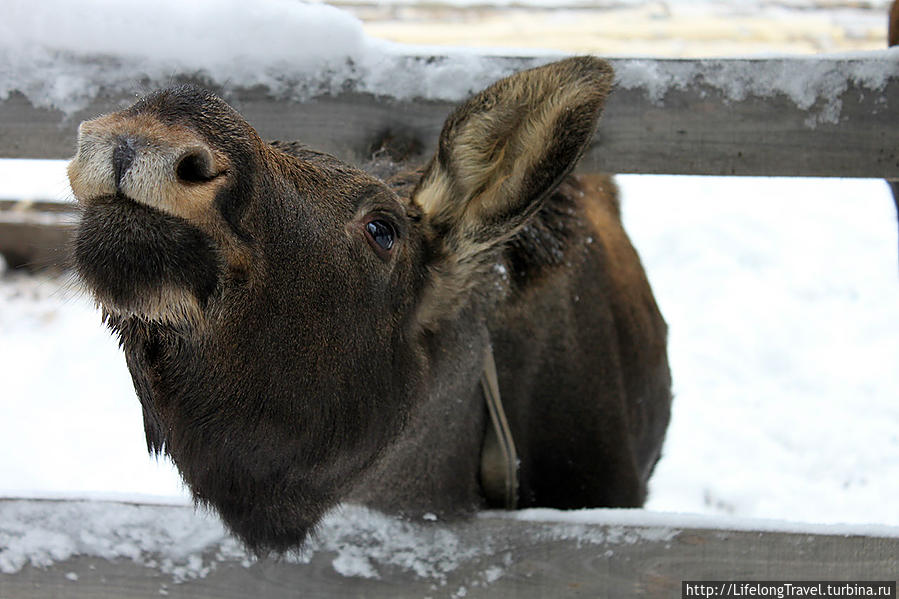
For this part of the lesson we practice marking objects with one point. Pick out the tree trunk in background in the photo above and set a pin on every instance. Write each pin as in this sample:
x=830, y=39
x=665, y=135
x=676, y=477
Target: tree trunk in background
x=893, y=35
x=893, y=38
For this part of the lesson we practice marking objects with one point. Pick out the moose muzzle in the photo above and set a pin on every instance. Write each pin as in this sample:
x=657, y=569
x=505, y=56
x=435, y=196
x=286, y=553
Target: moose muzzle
x=144, y=246
x=166, y=167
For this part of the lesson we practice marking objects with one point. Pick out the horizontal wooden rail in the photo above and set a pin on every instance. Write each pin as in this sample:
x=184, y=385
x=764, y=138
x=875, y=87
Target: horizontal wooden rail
x=786, y=116
x=102, y=550
x=36, y=235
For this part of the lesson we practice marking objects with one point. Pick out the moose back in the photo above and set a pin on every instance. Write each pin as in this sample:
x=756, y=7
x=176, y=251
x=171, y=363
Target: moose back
x=301, y=333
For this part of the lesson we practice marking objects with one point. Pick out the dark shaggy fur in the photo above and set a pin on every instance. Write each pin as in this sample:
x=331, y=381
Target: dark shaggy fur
x=301, y=333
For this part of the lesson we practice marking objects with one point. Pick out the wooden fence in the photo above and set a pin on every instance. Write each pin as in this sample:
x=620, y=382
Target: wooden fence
x=830, y=117
x=484, y=557
x=708, y=117
x=827, y=117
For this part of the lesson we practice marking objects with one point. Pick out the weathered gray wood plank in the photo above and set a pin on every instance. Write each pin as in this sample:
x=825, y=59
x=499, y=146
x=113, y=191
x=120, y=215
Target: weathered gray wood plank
x=701, y=127
x=494, y=557
x=534, y=568
x=36, y=235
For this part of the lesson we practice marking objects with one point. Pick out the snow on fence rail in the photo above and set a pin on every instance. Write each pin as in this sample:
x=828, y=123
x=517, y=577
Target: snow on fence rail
x=96, y=550
x=795, y=116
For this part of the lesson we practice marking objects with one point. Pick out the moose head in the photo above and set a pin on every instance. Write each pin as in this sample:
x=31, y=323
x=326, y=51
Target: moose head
x=301, y=333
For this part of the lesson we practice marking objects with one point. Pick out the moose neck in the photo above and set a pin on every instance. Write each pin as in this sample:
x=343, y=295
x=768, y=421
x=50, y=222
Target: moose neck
x=434, y=466
x=253, y=440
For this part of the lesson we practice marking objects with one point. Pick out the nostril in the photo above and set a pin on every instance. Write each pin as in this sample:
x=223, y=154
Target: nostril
x=122, y=158
x=195, y=166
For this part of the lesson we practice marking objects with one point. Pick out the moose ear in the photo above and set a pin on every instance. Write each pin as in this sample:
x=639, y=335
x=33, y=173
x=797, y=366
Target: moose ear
x=508, y=147
x=499, y=155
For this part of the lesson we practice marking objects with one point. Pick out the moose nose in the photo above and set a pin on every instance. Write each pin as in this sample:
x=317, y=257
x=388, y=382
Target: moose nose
x=157, y=164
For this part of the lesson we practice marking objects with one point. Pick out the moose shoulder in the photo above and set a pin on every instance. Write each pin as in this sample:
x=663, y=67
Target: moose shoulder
x=301, y=333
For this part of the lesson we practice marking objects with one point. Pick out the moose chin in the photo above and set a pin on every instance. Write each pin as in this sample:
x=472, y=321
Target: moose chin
x=301, y=333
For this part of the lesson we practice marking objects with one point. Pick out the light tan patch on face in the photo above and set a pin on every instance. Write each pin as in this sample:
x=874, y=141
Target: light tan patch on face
x=152, y=177
x=165, y=304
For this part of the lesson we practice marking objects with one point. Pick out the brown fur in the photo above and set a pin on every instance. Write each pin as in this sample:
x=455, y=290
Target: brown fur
x=332, y=343
x=492, y=161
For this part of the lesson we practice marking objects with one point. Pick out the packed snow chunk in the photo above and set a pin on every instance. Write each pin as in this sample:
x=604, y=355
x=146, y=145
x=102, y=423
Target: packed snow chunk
x=38, y=546
x=173, y=539
x=352, y=563
x=186, y=544
x=61, y=54
x=364, y=539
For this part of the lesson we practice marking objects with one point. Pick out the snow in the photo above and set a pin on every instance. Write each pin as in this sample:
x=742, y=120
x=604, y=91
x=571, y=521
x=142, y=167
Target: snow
x=43, y=42
x=65, y=394
x=632, y=525
x=366, y=540
x=172, y=540
x=744, y=5
x=782, y=298
x=29, y=180
x=185, y=545
x=61, y=54
x=805, y=82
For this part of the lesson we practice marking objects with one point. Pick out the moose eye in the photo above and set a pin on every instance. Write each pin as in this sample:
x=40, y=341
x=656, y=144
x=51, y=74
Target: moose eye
x=381, y=233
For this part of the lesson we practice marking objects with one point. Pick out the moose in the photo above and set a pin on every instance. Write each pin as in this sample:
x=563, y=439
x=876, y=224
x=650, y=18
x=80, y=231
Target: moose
x=301, y=333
